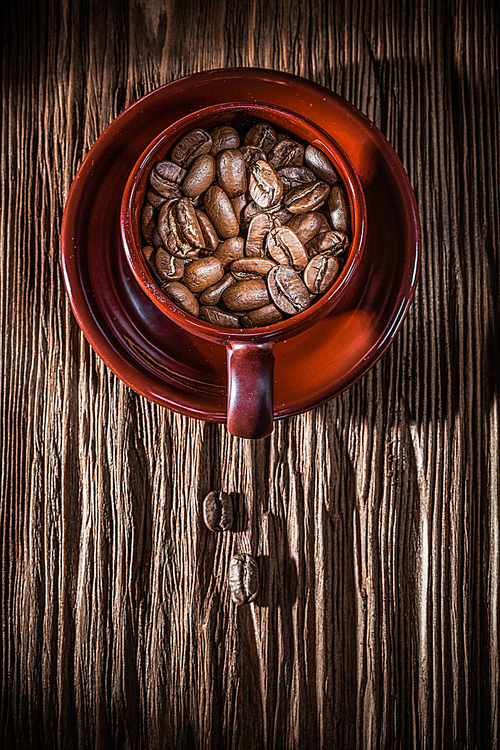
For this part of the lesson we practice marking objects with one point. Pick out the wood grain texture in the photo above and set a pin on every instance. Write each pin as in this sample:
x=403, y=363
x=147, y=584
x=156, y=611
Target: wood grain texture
x=374, y=518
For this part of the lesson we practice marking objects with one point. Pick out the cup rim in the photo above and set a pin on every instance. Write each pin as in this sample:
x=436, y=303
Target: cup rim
x=131, y=232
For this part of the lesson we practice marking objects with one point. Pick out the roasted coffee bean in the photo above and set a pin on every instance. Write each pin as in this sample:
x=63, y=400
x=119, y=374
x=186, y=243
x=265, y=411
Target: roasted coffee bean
x=202, y=273
x=328, y=243
x=307, y=226
x=286, y=153
x=218, y=317
x=339, y=213
x=168, y=267
x=232, y=173
x=251, y=154
x=261, y=135
x=265, y=186
x=251, y=268
x=223, y=137
x=167, y=236
x=287, y=290
x=218, y=510
x=177, y=244
x=182, y=297
x=193, y=144
x=220, y=212
x=285, y=248
x=212, y=241
x=320, y=273
x=263, y=316
x=321, y=165
x=148, y=222
x=239, y=204
x=212, y=295
x=166, y=178
x=243, y=578
x=292, y=177
x=200, y=176
x=155, y=198
x=148, y=252
x=260, y=225
x=157, y=240
x=307, y=197
x=187, y=223
x=230, y=250
x=246, y=295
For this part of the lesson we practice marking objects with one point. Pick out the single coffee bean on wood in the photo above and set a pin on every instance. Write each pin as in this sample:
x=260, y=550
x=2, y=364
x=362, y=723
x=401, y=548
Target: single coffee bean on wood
x=218, y=511
x=236, y=227
x=243, y=578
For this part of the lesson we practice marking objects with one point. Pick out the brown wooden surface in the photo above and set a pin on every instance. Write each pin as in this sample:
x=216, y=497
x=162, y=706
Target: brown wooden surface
x=375, y=519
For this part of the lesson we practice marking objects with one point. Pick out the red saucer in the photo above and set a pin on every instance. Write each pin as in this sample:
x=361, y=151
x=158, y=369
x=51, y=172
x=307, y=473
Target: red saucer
x=186, y=374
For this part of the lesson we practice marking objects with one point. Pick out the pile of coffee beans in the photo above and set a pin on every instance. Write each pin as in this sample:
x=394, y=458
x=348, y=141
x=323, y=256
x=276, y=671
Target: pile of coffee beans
x=243, y=229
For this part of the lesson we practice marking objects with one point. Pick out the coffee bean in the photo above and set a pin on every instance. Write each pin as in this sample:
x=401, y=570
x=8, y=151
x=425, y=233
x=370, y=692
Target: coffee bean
x=339, y=213
x=220, y=212
x=182, y=297
x=212, y=295
x=218, y=317
x=232, y=172
x=212, y=241
x=251, y=154
x=287, y=290
x=260, y=225
x=286, y=153
x=262, y=316
x=186, y=224
x=243, y=578
x=246, y=295
x=321, y=165
x=218, y=511
x=265, y=186
x=167, y=236
x=285, y=247
x=329, y=243
x=148, y=222
x=229, y=250
x=239, y=204
x=307, y=197
x=224, y=137
x=168, y=267
x=251, y=268
x=307, y=226
x=193, y=144
x=148, y=253
x=200, y=176
x=202, y=273
x=292, y=177
x=320, y=273
x=155, y=198
x=261, y=135
x=166, y=178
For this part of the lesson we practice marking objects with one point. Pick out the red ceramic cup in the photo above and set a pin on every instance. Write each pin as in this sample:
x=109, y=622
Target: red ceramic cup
x=250, y=359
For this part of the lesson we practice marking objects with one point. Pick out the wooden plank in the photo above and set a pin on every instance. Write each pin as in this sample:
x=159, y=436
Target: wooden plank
x=374, y=518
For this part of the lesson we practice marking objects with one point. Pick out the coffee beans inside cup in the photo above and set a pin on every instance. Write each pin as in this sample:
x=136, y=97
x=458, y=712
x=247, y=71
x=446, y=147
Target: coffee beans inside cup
x=244, y=227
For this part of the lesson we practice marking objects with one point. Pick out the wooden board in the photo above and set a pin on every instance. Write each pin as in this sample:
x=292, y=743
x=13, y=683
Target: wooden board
x=374, y=519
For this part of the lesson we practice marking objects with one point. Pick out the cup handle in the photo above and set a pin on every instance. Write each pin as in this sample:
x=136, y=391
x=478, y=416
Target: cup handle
x=250, y=377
